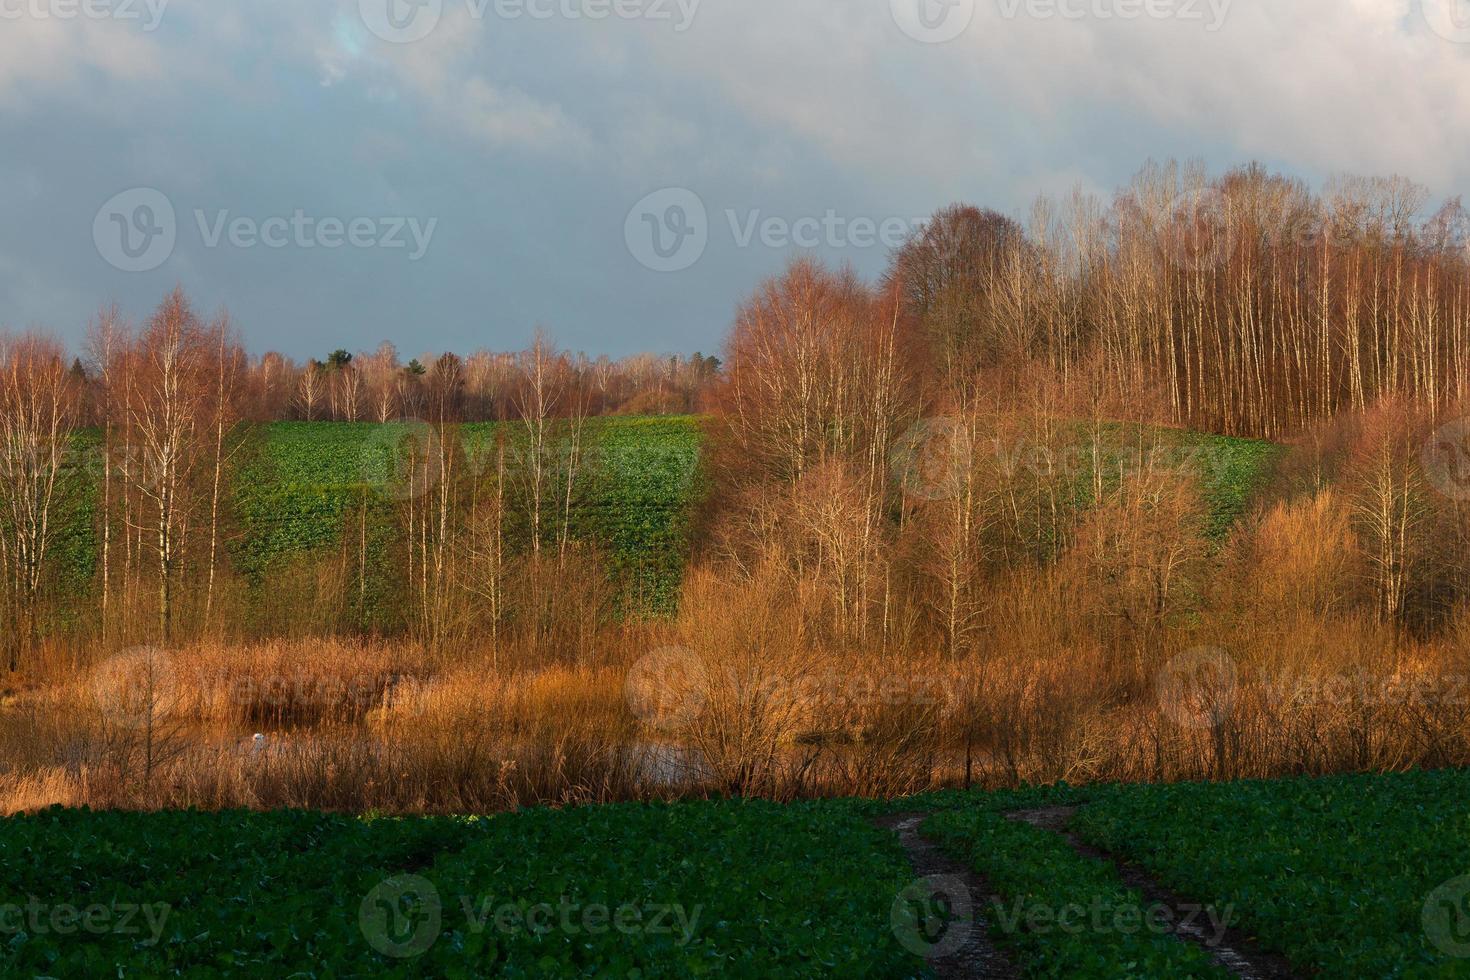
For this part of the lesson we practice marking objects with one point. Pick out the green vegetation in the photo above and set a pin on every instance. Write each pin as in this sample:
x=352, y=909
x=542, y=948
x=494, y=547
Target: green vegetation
x=74, y=548
x=735, y=888
x=1336, y=873
x=1061, y=914
x=1343, y=875
x=303, y=482
x=187, y=892
x=1229, y=470
x=760, y=890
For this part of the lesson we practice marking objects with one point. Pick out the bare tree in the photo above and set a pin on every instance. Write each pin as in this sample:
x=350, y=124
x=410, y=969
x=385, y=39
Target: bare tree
x=311, y=388
x=38, y=415
x=538, y=396
x=166, y=402
x=227, y=366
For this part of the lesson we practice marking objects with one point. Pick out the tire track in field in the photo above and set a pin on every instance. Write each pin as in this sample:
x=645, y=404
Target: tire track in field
x=940, y=876
x=1232, y=951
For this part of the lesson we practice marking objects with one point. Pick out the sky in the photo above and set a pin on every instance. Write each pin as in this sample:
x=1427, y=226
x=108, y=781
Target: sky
x=453, y=174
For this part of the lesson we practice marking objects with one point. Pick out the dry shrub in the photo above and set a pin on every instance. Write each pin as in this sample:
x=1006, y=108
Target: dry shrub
x=769, y=709
x=1138, y=556
x=507, y=705
x=437, y=771
x=1298, y=558
x=1030, y=707
x=280, y=683
x=464, y=741
x=308, y=597
x=559, y=609
x=747, y=643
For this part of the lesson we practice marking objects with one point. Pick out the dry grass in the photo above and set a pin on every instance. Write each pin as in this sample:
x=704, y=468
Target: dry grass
x=770, y=718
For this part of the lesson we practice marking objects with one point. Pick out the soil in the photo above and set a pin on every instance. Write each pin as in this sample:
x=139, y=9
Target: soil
x=976, y=956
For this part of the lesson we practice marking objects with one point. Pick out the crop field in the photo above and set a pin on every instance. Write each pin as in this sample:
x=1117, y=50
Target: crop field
x=1228, y=470
x=746, y=888
x=637, y=487
x=300, y=484
x=1344, y=876
x=1348, y=876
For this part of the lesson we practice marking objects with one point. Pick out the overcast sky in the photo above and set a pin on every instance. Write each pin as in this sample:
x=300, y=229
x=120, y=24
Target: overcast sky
x=450, y=174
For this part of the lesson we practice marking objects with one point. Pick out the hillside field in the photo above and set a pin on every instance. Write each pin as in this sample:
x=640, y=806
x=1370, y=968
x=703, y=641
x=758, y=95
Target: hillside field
x=299, y=485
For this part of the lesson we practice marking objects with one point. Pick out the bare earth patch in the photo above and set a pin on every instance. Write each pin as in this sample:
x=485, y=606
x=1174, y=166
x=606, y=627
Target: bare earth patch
x=976, y=956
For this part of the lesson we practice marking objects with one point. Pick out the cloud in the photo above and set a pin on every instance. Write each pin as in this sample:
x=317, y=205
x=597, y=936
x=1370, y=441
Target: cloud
x=1318, y=85
x=43, y=56
x=446, y=73
x=1324, y=85
x=554, y=127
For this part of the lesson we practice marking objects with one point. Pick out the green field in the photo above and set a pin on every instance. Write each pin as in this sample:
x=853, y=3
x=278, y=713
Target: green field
x=1339, y=874
x=749, y=889
x=1348, y=876
x=1229, y=470
x=299, y=485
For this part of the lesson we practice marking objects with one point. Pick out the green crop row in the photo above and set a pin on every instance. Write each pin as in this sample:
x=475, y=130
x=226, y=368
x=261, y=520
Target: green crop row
x=1363, y=876
x=1346, y=876
x=1061, y=914
x=740, y=889
x=637, y=483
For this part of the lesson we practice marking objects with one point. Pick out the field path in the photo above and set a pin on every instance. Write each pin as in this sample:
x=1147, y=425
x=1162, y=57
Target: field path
x=1234, y=952
x=976, y=956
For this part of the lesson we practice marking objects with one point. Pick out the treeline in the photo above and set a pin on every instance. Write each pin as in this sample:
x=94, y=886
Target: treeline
x=484, y=386
x=1243, y=304
x=901, y=455
x=380, y=386
x=855, y=422
x=123, y=464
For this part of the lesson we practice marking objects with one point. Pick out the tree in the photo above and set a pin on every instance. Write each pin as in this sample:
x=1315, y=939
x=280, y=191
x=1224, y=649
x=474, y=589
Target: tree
x=958, y=278
x=226, y=368
x=540, y=392
x=311, y=389
x=38, y=416
x=818, y=380
x=167, y=404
